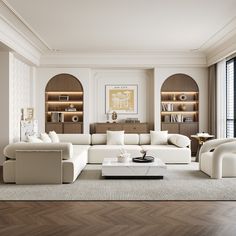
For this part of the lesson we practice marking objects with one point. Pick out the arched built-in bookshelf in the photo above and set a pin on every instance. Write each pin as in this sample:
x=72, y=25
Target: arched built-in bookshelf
x=64, y=104
x=180, y=106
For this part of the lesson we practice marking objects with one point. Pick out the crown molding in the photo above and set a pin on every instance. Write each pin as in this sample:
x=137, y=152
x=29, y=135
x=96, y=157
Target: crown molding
x=222, y=44
x=134, y=59
x=17, y=36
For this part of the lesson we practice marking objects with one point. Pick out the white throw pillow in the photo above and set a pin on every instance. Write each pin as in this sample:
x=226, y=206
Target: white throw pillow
x=54, y=137
x=45, y=137
x=159, y=137
x=179, y=140
x=115, y=137
x=33, y=139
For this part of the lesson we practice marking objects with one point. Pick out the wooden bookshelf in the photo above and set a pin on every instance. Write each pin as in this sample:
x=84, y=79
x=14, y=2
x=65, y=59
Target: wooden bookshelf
x=63, y=104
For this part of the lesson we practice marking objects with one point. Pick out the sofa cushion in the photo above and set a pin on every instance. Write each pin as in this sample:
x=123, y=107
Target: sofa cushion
x=145, y=139
x=101, y=139
x=75, y=139
x=66, y=148
x=179, y=140
x=54, y=137
x=115, y=137
x=33, y=139
x=169, y=153
x=159, y=137
x=45, y=137
x=98, y=152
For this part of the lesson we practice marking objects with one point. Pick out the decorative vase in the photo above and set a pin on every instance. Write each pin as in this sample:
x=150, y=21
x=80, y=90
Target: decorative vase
x=114, y=116
x=182, y=107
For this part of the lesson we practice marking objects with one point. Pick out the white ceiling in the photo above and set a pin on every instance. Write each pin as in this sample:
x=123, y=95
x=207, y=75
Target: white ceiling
x=120, y=25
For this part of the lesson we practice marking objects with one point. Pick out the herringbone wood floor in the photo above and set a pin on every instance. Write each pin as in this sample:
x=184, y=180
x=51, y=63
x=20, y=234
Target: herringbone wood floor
x=97, y=218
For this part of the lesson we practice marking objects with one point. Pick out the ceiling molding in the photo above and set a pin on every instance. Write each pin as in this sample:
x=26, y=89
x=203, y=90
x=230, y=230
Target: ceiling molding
x=223, y=51
x=124, y=60
x=17, y=36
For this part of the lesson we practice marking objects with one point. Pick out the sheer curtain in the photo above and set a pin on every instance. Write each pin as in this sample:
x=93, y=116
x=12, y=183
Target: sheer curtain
x=221, y=99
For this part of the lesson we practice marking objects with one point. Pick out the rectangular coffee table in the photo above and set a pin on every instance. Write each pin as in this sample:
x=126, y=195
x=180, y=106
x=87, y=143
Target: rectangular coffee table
x=112, y=168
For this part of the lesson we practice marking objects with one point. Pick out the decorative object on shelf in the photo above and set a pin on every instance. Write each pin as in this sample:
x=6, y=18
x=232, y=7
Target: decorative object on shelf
x=132, y=120
x=64, y=98
x=144, y=158
x=182, y=97
x=71, y=108
x=182, y=107
x=174, y=97
x=55, y=117
x=188, y=119
x=27, y=113
x=75, y=118
x=114, y=116
x=167, y=118
x=123, y=157
x=61, y=117
x=122, y=98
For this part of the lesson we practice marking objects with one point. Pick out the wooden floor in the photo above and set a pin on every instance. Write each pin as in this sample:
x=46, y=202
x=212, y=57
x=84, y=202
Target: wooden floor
x=133, y=218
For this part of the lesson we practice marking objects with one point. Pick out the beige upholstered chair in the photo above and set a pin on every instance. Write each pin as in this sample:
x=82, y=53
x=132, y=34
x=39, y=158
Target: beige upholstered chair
x=217, y=158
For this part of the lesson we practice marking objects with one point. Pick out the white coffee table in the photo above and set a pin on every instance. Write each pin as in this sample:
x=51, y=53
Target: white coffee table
x=112, y=168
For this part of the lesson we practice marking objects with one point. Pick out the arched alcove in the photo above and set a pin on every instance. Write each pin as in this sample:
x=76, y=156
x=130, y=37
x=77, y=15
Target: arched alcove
x=64, y=104
x=180, y=106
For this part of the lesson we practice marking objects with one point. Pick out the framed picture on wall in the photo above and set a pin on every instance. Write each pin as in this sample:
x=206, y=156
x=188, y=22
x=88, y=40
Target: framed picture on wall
x=121, y=99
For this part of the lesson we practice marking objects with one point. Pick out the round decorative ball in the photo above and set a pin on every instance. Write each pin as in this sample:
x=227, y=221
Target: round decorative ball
x=182, y=97
x=75, y=118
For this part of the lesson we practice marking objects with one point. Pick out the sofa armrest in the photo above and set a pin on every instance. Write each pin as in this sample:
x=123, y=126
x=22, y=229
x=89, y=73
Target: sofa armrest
x=212, y=144
x=38, y=167
x=225, y=149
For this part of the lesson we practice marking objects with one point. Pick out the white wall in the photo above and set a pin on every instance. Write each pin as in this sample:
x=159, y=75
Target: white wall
x=140, y=77
x=43, y=75
x=200, y=75
x=4, y=102
x=20, y=94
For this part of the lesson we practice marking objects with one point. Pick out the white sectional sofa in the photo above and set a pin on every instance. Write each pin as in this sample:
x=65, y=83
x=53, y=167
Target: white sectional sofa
x=30, y=163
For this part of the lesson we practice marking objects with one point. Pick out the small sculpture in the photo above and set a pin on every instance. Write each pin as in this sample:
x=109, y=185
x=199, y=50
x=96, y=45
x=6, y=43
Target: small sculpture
x=114, y=116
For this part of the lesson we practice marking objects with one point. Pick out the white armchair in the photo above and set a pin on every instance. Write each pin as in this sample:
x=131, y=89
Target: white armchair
x=217, y=158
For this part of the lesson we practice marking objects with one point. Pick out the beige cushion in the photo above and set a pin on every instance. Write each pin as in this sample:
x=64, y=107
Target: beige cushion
x=159, y=137
x=98, y=152
x=115, y=137
x=66, y=148
x=33, y=139
x=179, y=140
x=75, y=139
x=45, y=137
x=54, y=137
x=145, y=139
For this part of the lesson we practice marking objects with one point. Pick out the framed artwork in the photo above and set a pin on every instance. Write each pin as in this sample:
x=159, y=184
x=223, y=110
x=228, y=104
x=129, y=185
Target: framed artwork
x=122, y=99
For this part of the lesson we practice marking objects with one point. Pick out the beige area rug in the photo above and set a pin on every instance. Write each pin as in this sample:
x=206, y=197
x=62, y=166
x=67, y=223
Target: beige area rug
x=182, y=182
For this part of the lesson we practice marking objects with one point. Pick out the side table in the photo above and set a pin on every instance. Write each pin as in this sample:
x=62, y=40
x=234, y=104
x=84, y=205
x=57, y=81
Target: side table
x=201, y=138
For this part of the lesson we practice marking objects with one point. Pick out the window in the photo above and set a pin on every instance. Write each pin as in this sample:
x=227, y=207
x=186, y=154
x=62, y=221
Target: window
x=231, y=98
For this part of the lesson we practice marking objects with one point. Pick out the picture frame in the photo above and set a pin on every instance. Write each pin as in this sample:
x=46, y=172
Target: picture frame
x=123, y=99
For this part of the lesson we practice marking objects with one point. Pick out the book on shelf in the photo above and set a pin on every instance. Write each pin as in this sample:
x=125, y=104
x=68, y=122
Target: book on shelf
x=167, y=107
x=176, y=118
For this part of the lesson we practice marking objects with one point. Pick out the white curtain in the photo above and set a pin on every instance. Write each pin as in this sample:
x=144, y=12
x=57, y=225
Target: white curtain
x=221, y=99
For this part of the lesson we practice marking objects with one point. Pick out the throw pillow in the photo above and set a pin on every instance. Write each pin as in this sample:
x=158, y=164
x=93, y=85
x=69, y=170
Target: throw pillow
x=33, y=139
x=115, y=137
x=45, y=137
x=159, y=137
x=54, y=137
x=179, y=140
